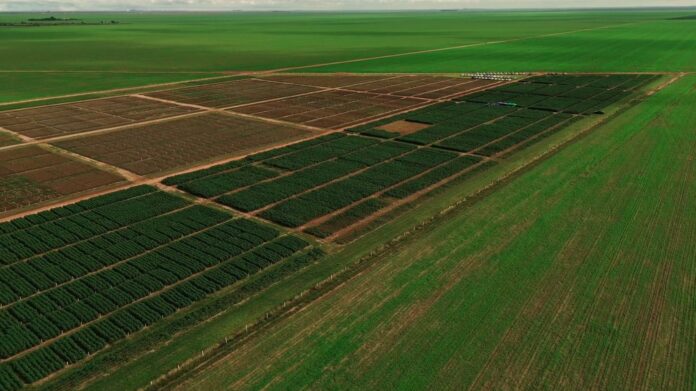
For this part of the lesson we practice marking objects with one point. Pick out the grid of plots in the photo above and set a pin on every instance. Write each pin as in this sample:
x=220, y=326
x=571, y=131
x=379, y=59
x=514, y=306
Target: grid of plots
x=163, y=146
x=231, y=93
x=74, y=280
x=31, y=174
x=329, y=184
x=329, y=109
x=60, y=120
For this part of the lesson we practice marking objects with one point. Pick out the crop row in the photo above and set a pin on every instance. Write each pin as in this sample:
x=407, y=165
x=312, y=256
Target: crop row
x=477, y=137
x=194, y=252
x=320, y=153
x=222, y=183
x=263, y=194
x=436, y=175
x=79, y=290
x=337, y=195
x=546, y=127
x=40, y=273
x=233, y=177
x=348, y=217
x=74, y=227
x=74, y=347
x=220, y=168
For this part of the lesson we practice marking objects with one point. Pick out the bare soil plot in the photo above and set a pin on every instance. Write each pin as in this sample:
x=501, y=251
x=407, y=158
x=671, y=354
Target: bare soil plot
x=329, y=109
x=322, y=80
x=52, y=121
x=404, y=126
x=163, y=146
x=29, y=175
x=430, y=87
x=231, y=93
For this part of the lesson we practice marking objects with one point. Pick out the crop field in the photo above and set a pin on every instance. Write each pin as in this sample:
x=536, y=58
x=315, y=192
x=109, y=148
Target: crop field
x=575, y=275
x=330, y=109
x=30, y=175
x=60, y=120
x=331, y=183
x=74, y=280
x=232, y=93
x=417, y=200
x=428, y=87
x=164, y=146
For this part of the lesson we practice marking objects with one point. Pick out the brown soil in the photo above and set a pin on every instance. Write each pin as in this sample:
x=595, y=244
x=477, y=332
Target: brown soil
x=405, y=126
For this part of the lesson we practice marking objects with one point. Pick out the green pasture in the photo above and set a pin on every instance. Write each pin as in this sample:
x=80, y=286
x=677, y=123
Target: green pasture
x=215, y=42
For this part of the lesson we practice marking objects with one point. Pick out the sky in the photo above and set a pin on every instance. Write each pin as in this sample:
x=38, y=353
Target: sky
x=265, y=5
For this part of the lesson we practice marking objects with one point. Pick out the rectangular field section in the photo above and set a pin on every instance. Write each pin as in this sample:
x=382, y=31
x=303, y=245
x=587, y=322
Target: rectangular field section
x=164, y=146
x=30, y=175
x=60, y=120
x=329, y=109
x=77, y=279
x=232, y=93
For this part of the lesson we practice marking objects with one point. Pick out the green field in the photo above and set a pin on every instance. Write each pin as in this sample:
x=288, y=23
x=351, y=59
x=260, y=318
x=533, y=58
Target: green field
x=181, y=42
x=641, y=46
x=565, y=260
x=579, y=274
x=18, y=86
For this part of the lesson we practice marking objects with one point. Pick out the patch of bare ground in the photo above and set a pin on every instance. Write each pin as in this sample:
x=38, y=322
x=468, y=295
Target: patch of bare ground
x=404, y=127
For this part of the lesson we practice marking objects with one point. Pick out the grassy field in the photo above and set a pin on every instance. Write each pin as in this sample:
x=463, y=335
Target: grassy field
x=643, y=46
x=586, y=281
x=176, y=42
x=32, y=85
